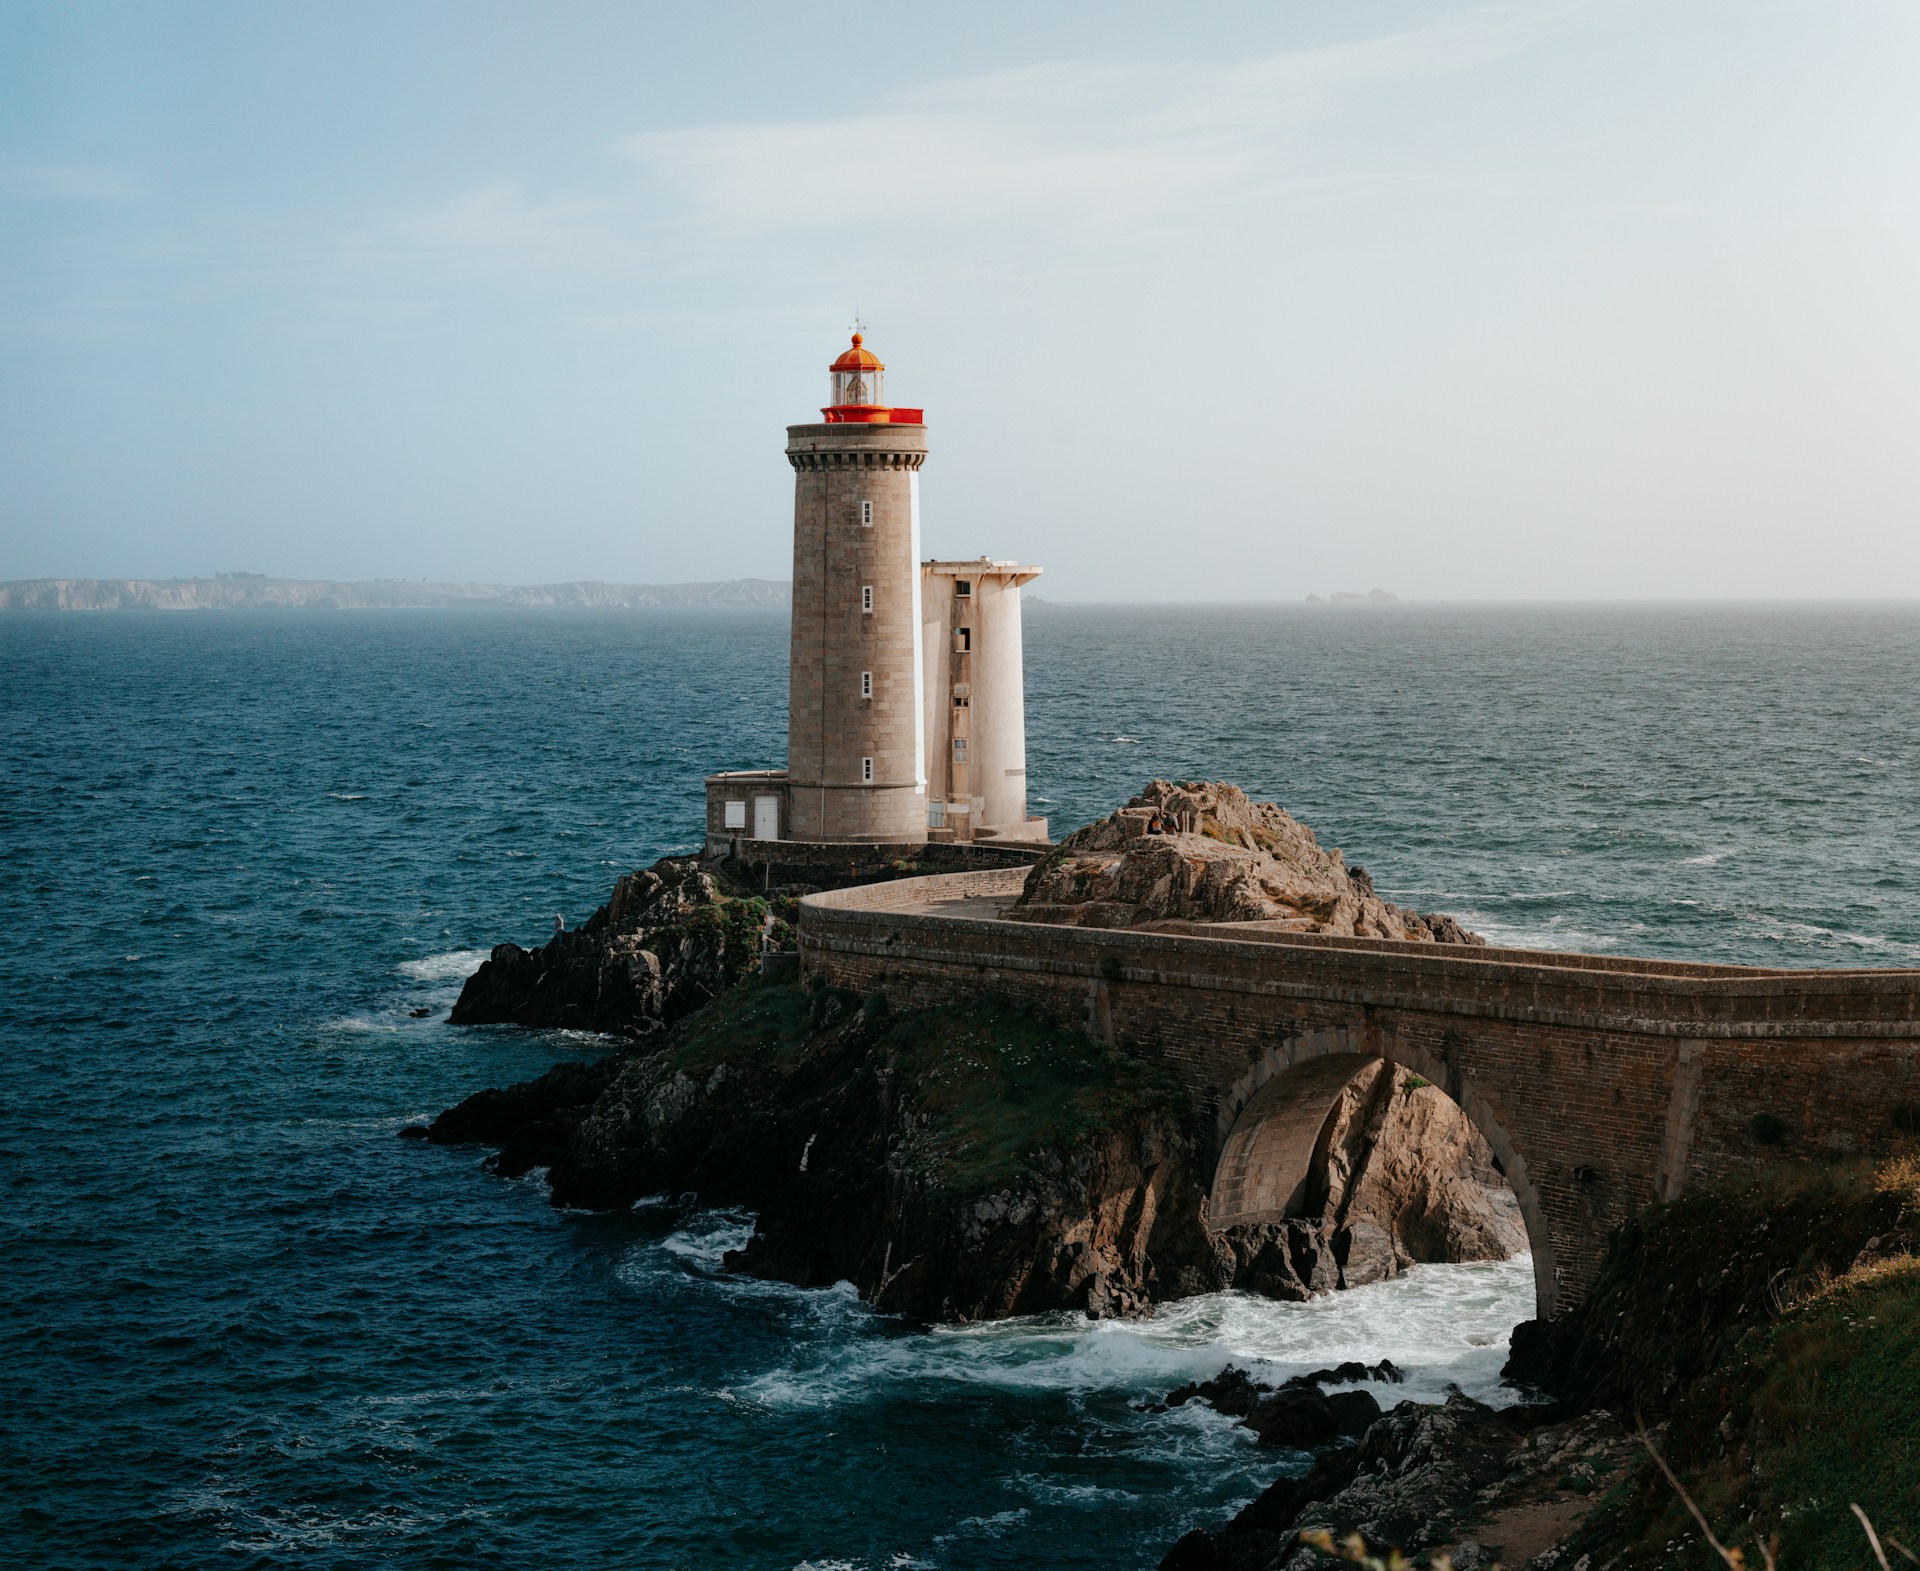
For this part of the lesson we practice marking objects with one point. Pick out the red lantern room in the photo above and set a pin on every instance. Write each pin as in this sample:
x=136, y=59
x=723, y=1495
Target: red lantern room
x=859, y=389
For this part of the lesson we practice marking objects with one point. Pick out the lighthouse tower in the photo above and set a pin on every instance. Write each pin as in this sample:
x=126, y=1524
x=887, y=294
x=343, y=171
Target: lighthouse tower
x=856, y=712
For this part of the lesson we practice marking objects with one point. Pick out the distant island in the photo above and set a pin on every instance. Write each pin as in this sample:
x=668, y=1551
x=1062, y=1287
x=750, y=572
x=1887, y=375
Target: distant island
x=1348, y=597
x=244, y=591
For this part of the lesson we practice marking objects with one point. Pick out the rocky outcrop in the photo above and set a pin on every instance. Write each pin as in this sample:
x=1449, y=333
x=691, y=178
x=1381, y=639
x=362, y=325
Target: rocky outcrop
x=1297, y=1413
x=969, y=1164
x=816, y=1124
x=670, y=938
x=955, y=1166
x=1407, y=1179
x=1195, y=853
x=1481, y=1485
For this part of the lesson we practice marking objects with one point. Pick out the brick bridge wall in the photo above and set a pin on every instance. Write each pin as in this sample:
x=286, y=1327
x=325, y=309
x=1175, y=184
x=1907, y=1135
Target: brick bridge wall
x=1602, y=1084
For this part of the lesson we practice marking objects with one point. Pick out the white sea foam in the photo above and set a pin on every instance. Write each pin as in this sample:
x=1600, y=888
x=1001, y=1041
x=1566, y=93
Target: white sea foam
x=348, y=796
x=1551, y=934
x=708, y=1235
x=1706, y=859
x=455, y=964
x=1813, y=936
x=377, y=1025
x=1443, y=1326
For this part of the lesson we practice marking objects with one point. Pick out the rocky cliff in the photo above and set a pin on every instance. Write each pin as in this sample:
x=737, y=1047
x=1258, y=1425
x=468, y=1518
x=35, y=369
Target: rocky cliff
x=951, y=1164
x=669, y=939
x=1205, y=853
x=973, y=1164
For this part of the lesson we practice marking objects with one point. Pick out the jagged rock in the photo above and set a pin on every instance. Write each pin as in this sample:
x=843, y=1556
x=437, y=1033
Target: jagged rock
x=532, y=1123
x=1405, y=1178
x=1406, y=1162
x=1206, y=853
x=1233, y=1392
x=1365, y=1253
x=1286, y=1260
x=1353, y=1411
x=1295, y=1416
x=1414, y=1470
x=1295, y=1413
x=670, y=938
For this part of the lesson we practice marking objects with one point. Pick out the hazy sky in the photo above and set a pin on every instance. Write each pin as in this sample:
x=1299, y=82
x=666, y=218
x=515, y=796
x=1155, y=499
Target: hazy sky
x=1229, y=302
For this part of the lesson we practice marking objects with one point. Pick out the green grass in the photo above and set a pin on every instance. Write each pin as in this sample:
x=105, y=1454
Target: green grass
x=753, y=1024
x=997, y=1085
x=1814, y=1408
x=1815, y=1412
x=989, y=1087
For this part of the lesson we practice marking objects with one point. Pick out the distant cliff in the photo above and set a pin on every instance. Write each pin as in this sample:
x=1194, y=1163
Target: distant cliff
x=232, y=591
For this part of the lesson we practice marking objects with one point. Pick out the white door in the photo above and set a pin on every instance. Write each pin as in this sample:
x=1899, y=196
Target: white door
x=766, y=818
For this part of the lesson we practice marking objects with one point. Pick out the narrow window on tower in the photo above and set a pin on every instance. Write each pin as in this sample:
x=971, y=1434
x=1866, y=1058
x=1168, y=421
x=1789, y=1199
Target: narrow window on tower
x=866, y=515
x=963, y=640
x=866, y=684
x=963, y=587
x=866, y=771
x=959, y=747
x=866, y=597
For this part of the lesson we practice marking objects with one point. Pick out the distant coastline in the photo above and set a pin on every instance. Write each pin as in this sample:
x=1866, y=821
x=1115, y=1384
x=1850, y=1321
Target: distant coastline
x=246, y=591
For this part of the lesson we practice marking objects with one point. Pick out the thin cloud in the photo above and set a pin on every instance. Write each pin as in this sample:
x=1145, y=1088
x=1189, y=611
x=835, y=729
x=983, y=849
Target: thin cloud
x=64, y=183
x=502, y=216
x=1100, y=148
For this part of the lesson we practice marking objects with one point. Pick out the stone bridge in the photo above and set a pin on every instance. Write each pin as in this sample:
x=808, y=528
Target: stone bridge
x=1602, y=1084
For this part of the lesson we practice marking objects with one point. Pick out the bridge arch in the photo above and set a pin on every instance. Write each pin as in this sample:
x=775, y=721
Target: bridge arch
x=1272, y=1124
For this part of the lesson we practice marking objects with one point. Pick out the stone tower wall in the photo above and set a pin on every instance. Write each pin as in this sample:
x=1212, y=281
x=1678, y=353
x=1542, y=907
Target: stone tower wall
x=831, y=726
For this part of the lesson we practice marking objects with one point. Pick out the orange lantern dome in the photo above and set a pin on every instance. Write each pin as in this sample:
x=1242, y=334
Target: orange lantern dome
x=858, y=358
x=859, y=395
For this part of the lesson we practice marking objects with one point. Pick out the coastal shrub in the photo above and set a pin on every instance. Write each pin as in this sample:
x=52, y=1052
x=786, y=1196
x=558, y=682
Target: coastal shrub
x=1807, y=1400
x=1414, y=1083
x=1818, y=1412
x=1900, y=1177
x=875, y=1007
x=1766, y=1128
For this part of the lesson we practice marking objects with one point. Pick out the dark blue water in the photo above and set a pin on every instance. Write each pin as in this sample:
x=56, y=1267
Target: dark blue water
x=245, y=1325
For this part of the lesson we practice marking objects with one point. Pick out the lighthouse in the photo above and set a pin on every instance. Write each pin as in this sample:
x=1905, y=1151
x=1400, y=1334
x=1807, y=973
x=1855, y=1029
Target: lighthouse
x=905, y=711
x=856, y=720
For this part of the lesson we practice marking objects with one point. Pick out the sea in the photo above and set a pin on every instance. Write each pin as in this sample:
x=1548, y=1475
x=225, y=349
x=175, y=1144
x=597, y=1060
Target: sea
x=250, y=856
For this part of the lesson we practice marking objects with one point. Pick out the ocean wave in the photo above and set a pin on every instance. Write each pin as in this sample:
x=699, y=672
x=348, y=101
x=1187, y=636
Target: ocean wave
x=707, y=1237
x=1443, y=1326
x=1812, y=935
x=454, y=964
x=366, y=1024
